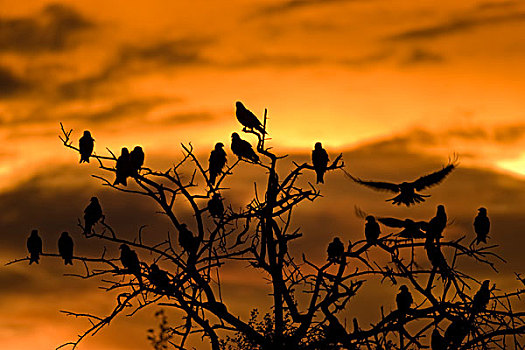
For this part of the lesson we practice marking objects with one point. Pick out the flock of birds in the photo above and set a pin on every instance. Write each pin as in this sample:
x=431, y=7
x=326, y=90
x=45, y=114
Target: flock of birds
x=129, y=164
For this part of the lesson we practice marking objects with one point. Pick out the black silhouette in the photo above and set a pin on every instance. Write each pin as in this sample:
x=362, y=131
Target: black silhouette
x=247, y=118
x=320, y=161
x=136, y=160
x=187, y=241
x=372, y=230
x=336, y=250
x=65, y=248
x=411, y=229
x=243, y=149
x=404, y=300
x=481, y=299
x=124, y=168
x=130, y=261
x=456, y=332
x=407, y=190
x=216, y=162
x=92, y=214
x=481, y=226
x=159, y=279
x=215, y=206
x=436, y=257
x=437, y=224
x=437, y=342
x=34, y=246
x=85, y=146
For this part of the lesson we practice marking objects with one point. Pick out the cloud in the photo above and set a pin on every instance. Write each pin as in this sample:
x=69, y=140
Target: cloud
x=457, y=25
x=10, y=84
x=419, y=56
x=292, y=5
x=52, y=30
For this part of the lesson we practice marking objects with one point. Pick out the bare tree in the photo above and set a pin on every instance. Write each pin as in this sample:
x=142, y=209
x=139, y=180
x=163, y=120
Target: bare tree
x=308, y=299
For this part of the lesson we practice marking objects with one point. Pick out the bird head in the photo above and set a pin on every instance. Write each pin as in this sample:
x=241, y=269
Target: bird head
x=483, y=210
x=235, y=136
x=125, y=151
x=34, y=233
x=337, y=240
x=64, y=234
x=154, y=267
x=403, y=288
x=94, y=199
x=124, y=247
x=441, y=209
x=218, y=146
x=137, y=149
x=239, y=104
x=87, y=133
x=216, y=196
x=485, y=284
x=370, y=218
x=318, y=146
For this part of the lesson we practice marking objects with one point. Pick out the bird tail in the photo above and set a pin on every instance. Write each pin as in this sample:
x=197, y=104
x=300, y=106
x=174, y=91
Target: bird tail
x=261, y=129
x=320, y=177
x=213, y=177
x=87, y=228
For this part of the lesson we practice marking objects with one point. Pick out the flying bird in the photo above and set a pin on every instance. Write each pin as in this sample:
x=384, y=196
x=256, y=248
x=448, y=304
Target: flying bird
x=407, y=190
x=247, y=118
x=215, y=206
x=85, y=146
x=243, y=149
x=437, y=341
x=481, y=226
x=92, y=214
x=160, y=279
x=187, y=241
x=320, y=161
x=34, y=246
x=481, y=298
x=65, y=248
x=216, y=162
x=404, y=299
x=411, y=229
x=136, y=160
x=130, y=261
x=437, y=224
x=372, y=230
x=336, y=250
x=123, y=168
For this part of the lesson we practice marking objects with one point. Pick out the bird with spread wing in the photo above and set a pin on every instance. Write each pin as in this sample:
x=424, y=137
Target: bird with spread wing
x=407, y=194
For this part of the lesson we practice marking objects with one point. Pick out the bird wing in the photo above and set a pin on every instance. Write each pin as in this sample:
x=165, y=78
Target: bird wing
x=376, y=185
x=391, y=222
x=434, y=178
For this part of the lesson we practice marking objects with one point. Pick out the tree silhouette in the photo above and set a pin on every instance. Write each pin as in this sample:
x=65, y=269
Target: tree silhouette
x=439, y=305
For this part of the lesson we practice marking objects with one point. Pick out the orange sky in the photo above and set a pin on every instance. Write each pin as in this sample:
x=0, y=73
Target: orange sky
x=384, y=77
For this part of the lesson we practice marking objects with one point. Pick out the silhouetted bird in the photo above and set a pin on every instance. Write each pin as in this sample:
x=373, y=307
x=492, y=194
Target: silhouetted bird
x=130, y=261
x=372, y=230
x=92, y=214
x=336, y=250
x=215, y=206
x=85, y=146
x=216, y=162
x=456, y=332
x=187, y=241
x=160, y=279
x=123, y=168
x=481, y=299
x=411, y=229
x=437, y=342
x=481, y=226
x=407, y=190
x=320, y=161
x=136, y=160
x=243, y=149
x=404, y=299
x=247, y=118
x=65, y=248
x=436, y=257
x=437, y=224
x=34, y=246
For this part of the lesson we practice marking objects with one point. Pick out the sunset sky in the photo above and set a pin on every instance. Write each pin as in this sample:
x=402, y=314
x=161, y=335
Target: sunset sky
x=397, y=86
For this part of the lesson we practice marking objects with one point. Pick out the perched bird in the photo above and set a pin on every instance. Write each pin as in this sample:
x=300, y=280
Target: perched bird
x=215, y=206
x=336, y=250
x=65, y=248
x=437, y=224
x=437, y=259
x=372, y=230
x=247, y=118
x=216, y=162
x=130, y=261
x=481, y=298
x=320, y=161
x=437, y=341
x=481, y=225
x=85, y=146
x=123, y=168
x=136, y=160
x=407, y=190
x=404, y=299
x=34, y=246
x=243, y=149
x=187, y=241
x=92, y=214
x=159, y=279
x=411, y=229
x=456, y=332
